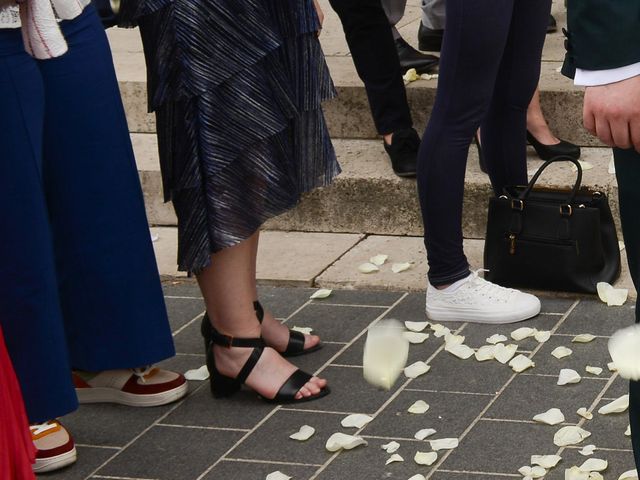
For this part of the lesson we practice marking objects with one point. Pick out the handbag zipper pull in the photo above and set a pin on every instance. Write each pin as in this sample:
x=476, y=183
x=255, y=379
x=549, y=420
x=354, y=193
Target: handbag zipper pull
x=512, y=244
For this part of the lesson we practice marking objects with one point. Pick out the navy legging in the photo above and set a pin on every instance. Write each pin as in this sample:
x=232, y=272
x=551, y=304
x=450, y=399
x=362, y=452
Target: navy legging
x=489, y=69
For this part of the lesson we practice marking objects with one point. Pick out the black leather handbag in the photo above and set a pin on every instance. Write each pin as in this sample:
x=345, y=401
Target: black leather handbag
x=551, y=239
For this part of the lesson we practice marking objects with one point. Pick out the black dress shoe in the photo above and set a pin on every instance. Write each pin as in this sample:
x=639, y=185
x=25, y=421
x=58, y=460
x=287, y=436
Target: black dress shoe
x=553, y=25
x=403, y=152
x=412, y=58
x=547, y=152
x=429, y=40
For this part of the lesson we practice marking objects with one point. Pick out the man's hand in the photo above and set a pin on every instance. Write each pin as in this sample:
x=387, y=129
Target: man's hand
x=612, y=113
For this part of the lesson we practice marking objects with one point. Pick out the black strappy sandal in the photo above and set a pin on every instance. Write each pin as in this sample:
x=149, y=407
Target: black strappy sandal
x=295, y=347
x=223, y=386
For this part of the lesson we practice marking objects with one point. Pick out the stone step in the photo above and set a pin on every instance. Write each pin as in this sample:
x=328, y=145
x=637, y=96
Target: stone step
x=368, y=198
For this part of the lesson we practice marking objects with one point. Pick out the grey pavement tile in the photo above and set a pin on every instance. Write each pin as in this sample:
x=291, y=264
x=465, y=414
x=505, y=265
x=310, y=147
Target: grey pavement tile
x=619, y=462
x=528, y=395
x=183, y=310
x=89, y=459
x=594, y=353
x=607, y=431
x=282, y=302
x=349, y=393
x=187, y=287
x=270, y=441
x=243, y=410
x=312, y=362
x=362, y=297
x=336, y=323
x=169, y=453
x=463, y=476
x=189, y=340
x=500, y=447
x=411, y=309
x=619, y=387
x=256, y=471
x=182, y=363
x=555, y=305
x=449, y=414
x=449, y=373
x=593, y=316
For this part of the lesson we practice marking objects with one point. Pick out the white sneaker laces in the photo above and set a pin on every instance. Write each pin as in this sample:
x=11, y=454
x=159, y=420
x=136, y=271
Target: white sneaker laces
x=487, y=288
x=39, y=428
x=142, y=372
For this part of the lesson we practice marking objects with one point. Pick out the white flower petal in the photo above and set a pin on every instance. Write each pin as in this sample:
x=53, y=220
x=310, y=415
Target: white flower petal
x=621, y=245
x=416, y=369
x=624, y=348
x=460, y=350
x=443, y=444
x=496, y=338
x=419, y=407
x=617, y=297
x=451, y=339
x=418, y=476
x=521, y=363
x=415, y=337
x=305, y=433
x=305, y=330
x=583, y=338
x=379, y=259
x=545, y=461
x=574, y=473
x=424, y=433
x=486, y=352
x=603, y=289
x=201, y=374
x=594, y=465
x=342, y=441
x=400, y=267
x=439, y=330
x=522, y=333
x=619, y=405
x=411, y=75
x=611, y=365
x=587, y=450
x=584, y=413
x=567, y=375
x=532, y=472
x=385, y=354
x=394, y=458
x=553, y=416
x=355, y=420
x=391, y=447
x=322, y=293
x=368, y=268
x=416, y=326
x=277, y=475
x=503, y=353
x=627, y=432
x=425, y=458
x=542, y=336
x=561, y=352
x=570, y=435
x=593, y=370
x=629, y=475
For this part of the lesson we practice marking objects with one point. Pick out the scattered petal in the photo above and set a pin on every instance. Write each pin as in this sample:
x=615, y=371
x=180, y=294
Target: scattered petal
x=612, y=166
x=443, y=444
x=368, y=268
x=459, y=350
x=587, y=450
x=613, y=297
x=394, y=458
x=419, y=407
x=322, y=293
x=418, y=477
x=583, y=338
x=201, y=374
x=532, y=472
x=305, y=433
x=416, y=326
x=522, y=333
x=342, y=441
x=621, y=245
x=584, y=413
x=451, y=339
x=567, y=376
x=305, y=330
x=561, y=352
x=439, y=330
x=355, y=420
x=542, y=336
x=415, y=337
x=424, y=433
x=416, y=369
x=400, y=267
x=486, y=352
x=545, y=461
x=574, y=473
x=503, y=353
x=411, y=75
x=570, y=435
x=391, y=447
x=629, y=475
x=379, y=259
x=496, y=338
x=619, y=405
x=593, y=370
x=627, y=432
x=521, y=363
x=585, y=166
x=624, y=348
x=425, y=458
x=277, y=475
x=594, y=465
x=553, y=416
x=429, y=76
x=385, y=354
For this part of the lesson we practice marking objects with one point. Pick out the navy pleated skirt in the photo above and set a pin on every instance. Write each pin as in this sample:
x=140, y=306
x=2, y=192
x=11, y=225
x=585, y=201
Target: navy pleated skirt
x=236, y=86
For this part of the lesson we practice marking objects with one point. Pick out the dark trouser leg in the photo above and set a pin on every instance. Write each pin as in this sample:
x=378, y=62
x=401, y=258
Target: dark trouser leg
x=628, y=175
x=368, y=34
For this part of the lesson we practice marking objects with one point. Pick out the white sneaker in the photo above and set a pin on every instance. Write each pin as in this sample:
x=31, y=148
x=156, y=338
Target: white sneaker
x=480, y=301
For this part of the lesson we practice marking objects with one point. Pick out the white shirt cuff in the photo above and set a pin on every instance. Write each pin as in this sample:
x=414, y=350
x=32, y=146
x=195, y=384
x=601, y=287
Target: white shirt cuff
x=592, y=78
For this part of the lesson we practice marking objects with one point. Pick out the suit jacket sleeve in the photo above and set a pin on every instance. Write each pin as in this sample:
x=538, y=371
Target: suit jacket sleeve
x=602, y=34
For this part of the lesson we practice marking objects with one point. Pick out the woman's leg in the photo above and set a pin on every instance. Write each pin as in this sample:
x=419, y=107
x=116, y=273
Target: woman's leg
x=229, y=290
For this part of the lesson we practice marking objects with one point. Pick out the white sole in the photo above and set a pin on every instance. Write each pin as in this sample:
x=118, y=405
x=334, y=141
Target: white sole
x=111, y=395
x=448, y=315
x=55, y=463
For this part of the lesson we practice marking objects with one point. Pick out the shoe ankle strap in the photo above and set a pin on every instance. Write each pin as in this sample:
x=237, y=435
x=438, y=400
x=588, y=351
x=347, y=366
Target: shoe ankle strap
x=257, y=306
x=229, y=341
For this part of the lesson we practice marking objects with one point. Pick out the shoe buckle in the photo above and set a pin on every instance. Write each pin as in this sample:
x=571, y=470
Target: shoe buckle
x=227, y=340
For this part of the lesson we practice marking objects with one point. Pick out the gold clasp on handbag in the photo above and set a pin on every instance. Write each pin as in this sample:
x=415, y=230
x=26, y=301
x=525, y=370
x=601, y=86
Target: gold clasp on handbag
x=512, y=244
x=566, y=210
x=517, y=204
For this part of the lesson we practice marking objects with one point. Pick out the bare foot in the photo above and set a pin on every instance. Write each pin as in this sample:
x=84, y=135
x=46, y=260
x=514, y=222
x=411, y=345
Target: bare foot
x=276, y=334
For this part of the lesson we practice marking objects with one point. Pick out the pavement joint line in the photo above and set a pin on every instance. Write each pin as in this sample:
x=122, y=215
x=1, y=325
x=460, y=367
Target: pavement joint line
x=363, y=237
x=143, y=432
x=387, y=402
x=555, y=314
x=271, y=462
x=279, y=407
x=524, y=374
x=104, y=447
x=575, y=334
x=111, y=477
x=181, y=297
x=298, y=310
x=513, y=420
x=334, y=343
x=442, y=459
x=604, y=449
x=199, y=427
x=404, y=439
x=448, y=391
x=497, y=474
x=311, y=410
x=182, y=354
x=349, y=305
x=340, y=365
x=188, y=324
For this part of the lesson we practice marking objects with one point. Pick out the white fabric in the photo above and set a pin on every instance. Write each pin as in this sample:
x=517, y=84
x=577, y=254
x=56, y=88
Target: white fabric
x=592, y=78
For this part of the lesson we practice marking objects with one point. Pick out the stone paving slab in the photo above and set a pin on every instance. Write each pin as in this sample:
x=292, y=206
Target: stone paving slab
x=485, y=405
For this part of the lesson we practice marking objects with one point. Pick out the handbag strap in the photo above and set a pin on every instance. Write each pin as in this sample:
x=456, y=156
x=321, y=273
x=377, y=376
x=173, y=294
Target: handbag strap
x=574, y=191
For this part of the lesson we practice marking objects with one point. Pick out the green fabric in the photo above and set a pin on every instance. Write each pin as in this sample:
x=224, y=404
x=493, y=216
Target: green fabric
x=602, y=34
